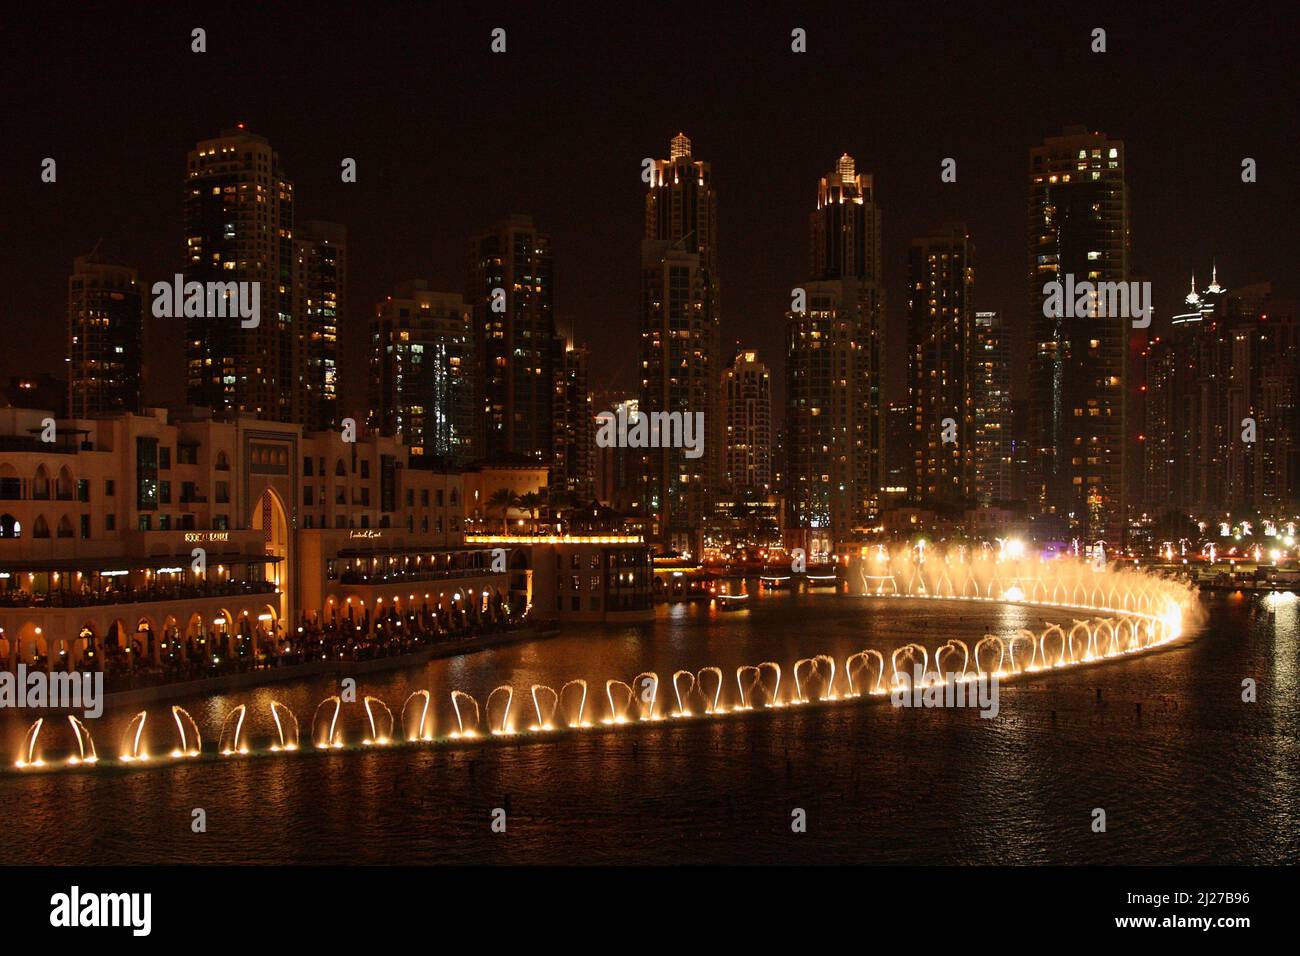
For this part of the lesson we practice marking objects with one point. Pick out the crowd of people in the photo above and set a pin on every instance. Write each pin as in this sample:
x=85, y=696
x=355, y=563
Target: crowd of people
x=216, y=653
x=86, y=597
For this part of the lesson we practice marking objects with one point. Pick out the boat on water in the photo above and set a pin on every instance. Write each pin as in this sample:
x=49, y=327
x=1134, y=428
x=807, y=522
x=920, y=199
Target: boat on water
x=822, y=579
x=732, y=602
x=727, y=601
x=774, y=582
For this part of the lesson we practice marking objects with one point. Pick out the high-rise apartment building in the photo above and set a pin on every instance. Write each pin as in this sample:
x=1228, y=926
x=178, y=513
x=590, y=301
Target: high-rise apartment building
x=575, y=439
x=747, y=419
x=105, y=337
x=941, y=331
x=239, y=228
x=422, y=372
x=680, y=343
x=833, y=432
x=1078, y=230
x=320, y=253
x=990, y=384
x=519, y=354
x=1224, y=400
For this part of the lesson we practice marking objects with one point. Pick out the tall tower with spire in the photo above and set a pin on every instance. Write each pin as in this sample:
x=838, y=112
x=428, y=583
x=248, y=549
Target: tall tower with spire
x=834, y=434
x=680, y=340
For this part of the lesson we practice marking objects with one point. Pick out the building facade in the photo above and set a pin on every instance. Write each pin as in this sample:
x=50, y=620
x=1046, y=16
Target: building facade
x=680, y=339
x=1223, y=406
x=320, y=268
x=1078, y=230
x=422, y=372
x=192, y=527
x=941, y=332
x=834, y=430
x=105, y=338
x=518, y=353
x=747, y=419
x=990, y=383
x=239, y=223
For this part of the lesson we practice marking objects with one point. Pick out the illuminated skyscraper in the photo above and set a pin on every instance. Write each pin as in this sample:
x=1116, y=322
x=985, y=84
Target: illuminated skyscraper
x=833, y=413
x=422, y=372
x=239, y=228
x=519, y=353
x=105, y=338
x=680, y=345
x=941, y=331
x=747, y=417
x=1231, y=357
x=575, y=437
x=990, y=371
x=1078, y=226
x=320, y=254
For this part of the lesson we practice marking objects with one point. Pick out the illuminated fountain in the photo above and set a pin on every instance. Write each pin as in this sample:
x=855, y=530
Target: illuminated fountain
x=85, y=745
x=621, y=698
x=1111, y=613
x=747, y=678
x=647, y=687
x=683, y=697
x=572, y=704
x=191, y=744
x=29, y=757
x=467, y=714
x=133, y=743
x=286, y=727
x=415, y=716
x=859, y=664
x=709, y=682
x=325, y=731
x=380, y=720
x=30, y=754
x=545, y=700
x=232, y=741
x=498, y=710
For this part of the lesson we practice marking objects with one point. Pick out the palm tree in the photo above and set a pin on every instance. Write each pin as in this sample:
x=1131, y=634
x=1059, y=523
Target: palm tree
x=503, y=499
x=532, y=503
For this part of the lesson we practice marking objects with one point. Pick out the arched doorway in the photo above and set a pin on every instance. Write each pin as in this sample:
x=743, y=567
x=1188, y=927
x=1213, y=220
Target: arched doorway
x=270, y=517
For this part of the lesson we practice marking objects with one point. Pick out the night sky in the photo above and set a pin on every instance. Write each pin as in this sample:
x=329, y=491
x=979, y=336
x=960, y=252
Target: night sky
x=448, y=136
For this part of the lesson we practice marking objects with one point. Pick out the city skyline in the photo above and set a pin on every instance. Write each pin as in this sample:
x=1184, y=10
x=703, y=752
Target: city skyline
x=760, y=251
x=480, y=439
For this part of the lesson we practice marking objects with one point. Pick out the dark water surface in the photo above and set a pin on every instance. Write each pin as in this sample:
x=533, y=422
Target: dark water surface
x=1197, y=776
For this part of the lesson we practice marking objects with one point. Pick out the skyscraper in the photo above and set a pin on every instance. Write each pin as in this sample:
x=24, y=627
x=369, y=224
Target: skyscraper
x=105, y=337
x=1225, y=405
x=239, y=228
x=990, y=364
x=575, y=438
x=422, y=372
x=680, y=344
x=941, y=331
x=833, y=376
x=319, y=305
x=747, y=419
x=518, y=351
x=1078, y=229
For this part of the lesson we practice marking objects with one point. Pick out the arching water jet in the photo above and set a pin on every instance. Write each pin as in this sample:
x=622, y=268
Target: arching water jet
x=191, y=744
x=415, y=716
x=286, y=727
